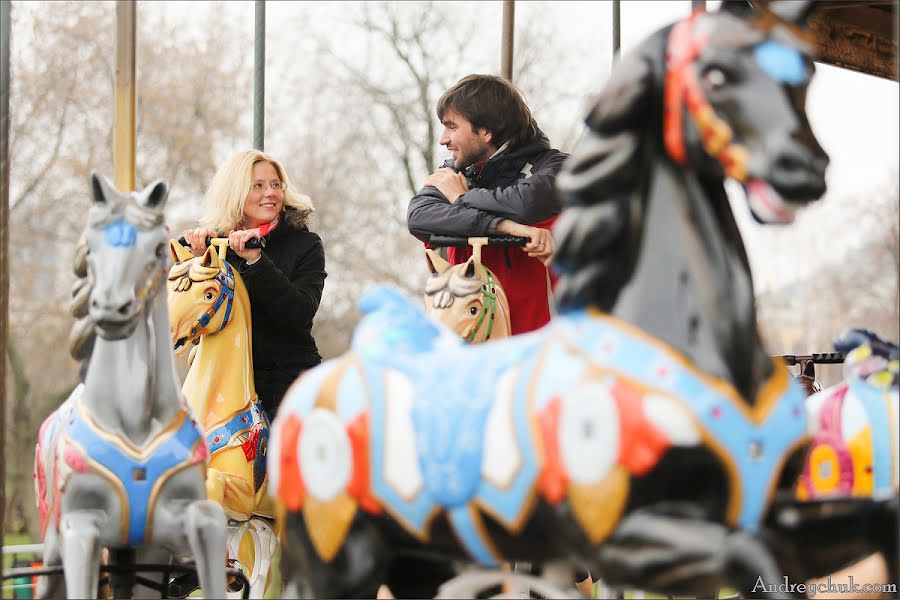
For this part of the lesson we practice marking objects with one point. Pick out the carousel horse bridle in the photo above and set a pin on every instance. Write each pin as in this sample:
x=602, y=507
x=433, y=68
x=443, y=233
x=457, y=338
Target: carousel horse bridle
x=489, y=308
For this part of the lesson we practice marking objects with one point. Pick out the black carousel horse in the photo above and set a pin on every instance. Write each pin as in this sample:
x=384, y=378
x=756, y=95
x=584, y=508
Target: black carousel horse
x=644, y=433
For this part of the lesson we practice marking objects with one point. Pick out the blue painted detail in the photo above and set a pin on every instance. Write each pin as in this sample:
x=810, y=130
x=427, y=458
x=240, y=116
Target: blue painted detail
x=412, y=513
x=756, y=450
x=221, y=436
x=203, y=320
x=874, y=401
x=176, y=450
x=351, y=395
x=508, y=503
x=781, y=62
x=467, y=531
x=120, y=234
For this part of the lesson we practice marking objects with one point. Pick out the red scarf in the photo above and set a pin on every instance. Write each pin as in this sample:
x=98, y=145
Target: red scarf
x=263, y=230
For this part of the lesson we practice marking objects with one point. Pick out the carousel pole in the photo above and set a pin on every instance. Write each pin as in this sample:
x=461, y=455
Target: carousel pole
x=5, y=63
x=616, y=28
x=123, y=134
x=259, y=77
x=506, y=53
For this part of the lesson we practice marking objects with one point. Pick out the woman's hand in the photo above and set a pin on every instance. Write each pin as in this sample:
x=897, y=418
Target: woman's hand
x=196, y=239
x=237, y=240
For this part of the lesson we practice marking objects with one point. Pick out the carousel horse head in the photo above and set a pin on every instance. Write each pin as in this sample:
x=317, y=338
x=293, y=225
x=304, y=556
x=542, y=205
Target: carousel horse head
x=467, y=298
x=201, y=295
x=126, y=241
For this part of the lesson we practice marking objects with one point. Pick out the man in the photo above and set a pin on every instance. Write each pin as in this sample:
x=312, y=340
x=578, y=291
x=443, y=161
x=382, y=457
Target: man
x=499, y=181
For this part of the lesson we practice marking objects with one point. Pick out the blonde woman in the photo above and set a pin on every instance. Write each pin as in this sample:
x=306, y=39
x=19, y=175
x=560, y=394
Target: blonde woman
x=249, y=197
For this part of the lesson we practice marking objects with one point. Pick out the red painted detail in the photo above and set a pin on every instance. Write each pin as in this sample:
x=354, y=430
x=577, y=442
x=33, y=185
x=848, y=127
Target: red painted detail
x=359, y=486
x=553, y=478
x=291, y=490
x=75, y=459
x=249, y=447
x=716, y=412
x=641, y=445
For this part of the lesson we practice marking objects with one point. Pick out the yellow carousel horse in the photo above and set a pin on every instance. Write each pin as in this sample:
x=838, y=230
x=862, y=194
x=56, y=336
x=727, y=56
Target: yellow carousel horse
x=209, y=306
x=467, y=297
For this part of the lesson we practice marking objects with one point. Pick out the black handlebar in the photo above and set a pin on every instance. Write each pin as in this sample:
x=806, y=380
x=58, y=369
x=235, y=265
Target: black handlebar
x=511, y=241
x=251, y=243
x=823, y=358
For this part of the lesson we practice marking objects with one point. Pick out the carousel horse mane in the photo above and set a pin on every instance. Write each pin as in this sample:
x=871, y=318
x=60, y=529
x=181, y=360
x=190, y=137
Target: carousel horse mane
x=467, y=298
x=647, y=230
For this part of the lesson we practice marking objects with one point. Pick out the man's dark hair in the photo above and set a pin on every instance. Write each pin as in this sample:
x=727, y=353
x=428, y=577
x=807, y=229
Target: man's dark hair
x=492, y=103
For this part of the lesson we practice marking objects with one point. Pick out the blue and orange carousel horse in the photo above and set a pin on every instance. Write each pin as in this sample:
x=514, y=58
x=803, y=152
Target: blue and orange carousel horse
x=645, y=432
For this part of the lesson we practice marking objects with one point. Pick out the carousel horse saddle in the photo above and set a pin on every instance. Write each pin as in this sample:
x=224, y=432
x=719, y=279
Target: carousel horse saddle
x=568, y=412
x=136, y=472
x=249, y=429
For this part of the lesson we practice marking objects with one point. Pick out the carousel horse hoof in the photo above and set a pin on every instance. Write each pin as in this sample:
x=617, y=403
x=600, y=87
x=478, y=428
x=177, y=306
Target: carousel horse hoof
x=184, y=585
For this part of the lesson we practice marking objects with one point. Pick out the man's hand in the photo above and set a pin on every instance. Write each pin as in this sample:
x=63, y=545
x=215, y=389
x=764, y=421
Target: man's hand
x=541, y=244
x=450, y=184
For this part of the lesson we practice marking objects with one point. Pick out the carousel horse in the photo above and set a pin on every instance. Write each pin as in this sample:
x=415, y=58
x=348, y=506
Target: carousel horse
x=122, y=463
x=467, y=298
x=209, y=306
x=644, y=433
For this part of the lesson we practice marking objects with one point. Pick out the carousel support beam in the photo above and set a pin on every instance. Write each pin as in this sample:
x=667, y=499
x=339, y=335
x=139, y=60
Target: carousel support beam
x=259, y=77
x=860, y=37
x=124, y=132
x=506, y=54
x=616, y=28
x=5, y=63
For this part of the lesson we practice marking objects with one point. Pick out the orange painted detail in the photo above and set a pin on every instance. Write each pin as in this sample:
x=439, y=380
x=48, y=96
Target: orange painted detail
x=359, y=485
x=553, y=480
x=641, y=445
x=291, y=490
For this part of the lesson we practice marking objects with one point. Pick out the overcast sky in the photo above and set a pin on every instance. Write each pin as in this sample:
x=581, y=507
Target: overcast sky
x=854, y=116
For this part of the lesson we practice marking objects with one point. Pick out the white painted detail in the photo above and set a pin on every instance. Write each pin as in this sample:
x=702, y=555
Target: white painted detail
x=671, y=418
x=273, y=464
x=325, y=455
x=401, y=458
x=589, y=432
x=501, y=459
x=853, y=416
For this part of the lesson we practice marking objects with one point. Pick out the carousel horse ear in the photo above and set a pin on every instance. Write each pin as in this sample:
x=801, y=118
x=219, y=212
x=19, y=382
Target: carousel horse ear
x=154, y=195
x=210, y=258
x=102, y=188
x=436, y=264
x=469, y=270
x=793, y=11
x=178, y=252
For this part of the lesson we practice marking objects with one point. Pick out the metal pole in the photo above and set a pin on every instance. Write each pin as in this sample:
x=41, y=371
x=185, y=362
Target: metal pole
x=695, y=4
x=123, y=134
x=617, y=28
x=5, y=63
x=259, y=77
x=506, y=53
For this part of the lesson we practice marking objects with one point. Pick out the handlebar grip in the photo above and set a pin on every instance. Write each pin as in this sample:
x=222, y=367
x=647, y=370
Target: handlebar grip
x=252, y=243
x=819, y=358
x=511, y=241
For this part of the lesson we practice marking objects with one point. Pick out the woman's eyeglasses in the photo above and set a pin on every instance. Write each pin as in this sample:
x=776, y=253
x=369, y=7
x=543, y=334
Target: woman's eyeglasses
x=259, y=186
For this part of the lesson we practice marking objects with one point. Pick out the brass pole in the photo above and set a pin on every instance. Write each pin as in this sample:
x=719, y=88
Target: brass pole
x=124, y=132
x=5, y=63
x=506, y=53
x=616, y=28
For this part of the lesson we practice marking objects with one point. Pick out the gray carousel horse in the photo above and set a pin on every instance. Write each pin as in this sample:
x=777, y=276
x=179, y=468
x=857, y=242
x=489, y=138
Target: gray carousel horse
x=122, y=463
x=644, y=433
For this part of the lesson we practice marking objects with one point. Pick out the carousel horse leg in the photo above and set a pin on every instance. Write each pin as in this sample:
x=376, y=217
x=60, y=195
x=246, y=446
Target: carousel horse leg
x=206, y=537
x=51, y=586
x=80, y=540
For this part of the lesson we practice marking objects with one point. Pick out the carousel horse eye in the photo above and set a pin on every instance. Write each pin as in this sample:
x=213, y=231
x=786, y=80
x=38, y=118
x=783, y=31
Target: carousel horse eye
x=209, y=296
x=160, y=250
x=715, y=78
x=473, y=310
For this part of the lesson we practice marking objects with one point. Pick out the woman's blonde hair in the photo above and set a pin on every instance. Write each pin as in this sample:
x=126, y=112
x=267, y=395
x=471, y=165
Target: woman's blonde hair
x=224, y=201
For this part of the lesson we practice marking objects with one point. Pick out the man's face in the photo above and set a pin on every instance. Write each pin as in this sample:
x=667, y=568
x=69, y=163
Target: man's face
x=467, y=145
